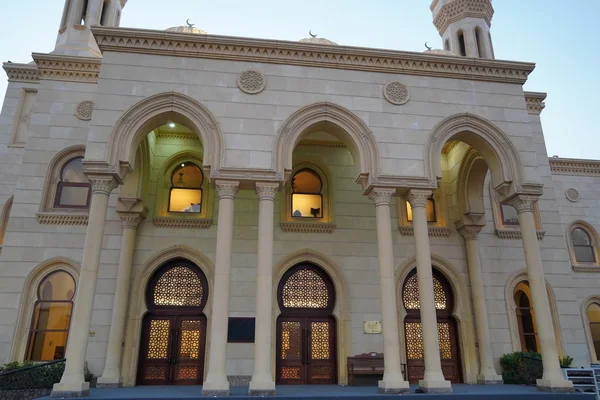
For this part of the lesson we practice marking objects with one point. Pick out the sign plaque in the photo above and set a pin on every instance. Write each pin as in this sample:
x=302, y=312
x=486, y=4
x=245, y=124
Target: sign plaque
x=372, y=327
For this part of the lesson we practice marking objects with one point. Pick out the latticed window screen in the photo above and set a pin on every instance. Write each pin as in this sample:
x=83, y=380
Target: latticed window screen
x=179, y=286
x=305, y=289
x=415, y=345
x=410, y=294
x=158, y=341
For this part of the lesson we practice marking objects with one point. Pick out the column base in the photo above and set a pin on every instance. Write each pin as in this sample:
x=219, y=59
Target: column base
x=393, y=384
x=554, y=385
x=430, y=386
x=263, y=386
x=79, y=389
x=216, y=386
x=491, y=379
x=109, y=382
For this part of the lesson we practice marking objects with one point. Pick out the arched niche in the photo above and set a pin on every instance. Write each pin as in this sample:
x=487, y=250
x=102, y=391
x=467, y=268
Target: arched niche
x=29, y=298
x=462, y=312
x=470, y=182
x=137, y=305
x=586, y=325
x=155, y=111
x=4, y=215
x=341, y=309
x=494, y=146
x=335, y=120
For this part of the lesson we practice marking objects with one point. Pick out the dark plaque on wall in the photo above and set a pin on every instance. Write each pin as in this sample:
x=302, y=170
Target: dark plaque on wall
x=241, y=330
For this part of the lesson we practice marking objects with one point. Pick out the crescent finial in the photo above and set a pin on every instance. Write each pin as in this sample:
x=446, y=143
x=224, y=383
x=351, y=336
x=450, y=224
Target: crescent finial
x=311, y=34
x=187, y=21
x=427, y=47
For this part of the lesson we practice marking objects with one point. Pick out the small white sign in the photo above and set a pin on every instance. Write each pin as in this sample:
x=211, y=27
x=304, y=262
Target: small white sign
x=372, y=327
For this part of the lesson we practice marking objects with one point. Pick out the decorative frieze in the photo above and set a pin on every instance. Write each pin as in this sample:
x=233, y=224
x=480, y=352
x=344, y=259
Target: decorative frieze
x=321, y=143
x=434, y=231
x=251, y=81
x=570, y=166
x=67, y=68
x=535, y=102
x=460, y=9
x=307, y=54
x=512, y=234
x=182, y=223
x=62, y=219
x=22, y=72
x=176, y=136
x=307, y=227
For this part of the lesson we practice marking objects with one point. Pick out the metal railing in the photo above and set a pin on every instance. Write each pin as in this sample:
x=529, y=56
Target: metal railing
x=39, y=376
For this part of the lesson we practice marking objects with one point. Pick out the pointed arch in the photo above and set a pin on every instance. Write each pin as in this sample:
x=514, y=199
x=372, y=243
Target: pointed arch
x=4, y=215
x=137, y=304
x=156, y=110
x=470, y=183
x=29, y=298
x=593, y=245
x=341, y=309
x=340, y=122
x=462, y=312
x=509, y=290
x=592, y=300
x=495, y=147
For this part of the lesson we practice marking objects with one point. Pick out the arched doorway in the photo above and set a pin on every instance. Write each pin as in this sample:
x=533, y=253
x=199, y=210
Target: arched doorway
x=306, y=345
x=174, y=328
x=447, y=332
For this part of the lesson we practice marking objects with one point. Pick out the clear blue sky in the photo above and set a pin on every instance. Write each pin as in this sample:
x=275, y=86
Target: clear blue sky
x=560, y=37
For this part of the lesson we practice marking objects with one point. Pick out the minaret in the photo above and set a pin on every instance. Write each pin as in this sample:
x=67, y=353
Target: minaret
x=465, y=26
x=74, y=35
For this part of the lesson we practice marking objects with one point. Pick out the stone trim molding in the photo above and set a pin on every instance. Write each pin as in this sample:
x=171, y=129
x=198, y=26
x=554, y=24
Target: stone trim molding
x=56, y=218
x=308, y=54
x=511, y=234
x=176, y=136
x=434, y=231
x=308, y=227
x=460, y=9
x=321, y=143
x=68, y=68
x=182, y=223
x=535, y=102
x=574, y=166
x=22, y=72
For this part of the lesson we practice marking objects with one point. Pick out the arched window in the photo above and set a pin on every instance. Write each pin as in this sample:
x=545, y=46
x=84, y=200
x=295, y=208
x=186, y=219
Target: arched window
x=593, y=313
x=74, y=189
x=525, y=318
x=461, y=43
x=478, y=40
x=51, y=317
x=307, y=199
x=509, y=215
x=583, y=247
x=186, y=189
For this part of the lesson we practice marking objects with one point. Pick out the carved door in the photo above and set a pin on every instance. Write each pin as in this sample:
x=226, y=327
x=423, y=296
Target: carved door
x=172, y=351
x=306, y=350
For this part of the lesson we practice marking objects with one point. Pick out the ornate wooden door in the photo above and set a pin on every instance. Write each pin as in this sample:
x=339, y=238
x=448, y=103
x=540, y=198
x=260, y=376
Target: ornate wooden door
x=306, y=351
x=172, y=351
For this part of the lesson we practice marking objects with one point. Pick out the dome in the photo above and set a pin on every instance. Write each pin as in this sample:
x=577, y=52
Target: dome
x=318, y=40
x=186, y=29
x=440, y=52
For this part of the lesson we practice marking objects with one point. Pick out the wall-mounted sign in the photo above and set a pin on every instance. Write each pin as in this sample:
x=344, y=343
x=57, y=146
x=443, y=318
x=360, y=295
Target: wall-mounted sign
x=372, y=326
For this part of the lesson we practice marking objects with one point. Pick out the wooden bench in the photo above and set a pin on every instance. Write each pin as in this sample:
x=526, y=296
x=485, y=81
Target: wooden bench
x=367, y=365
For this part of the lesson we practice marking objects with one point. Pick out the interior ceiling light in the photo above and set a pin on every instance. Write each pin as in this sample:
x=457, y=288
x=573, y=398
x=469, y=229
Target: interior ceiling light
x=171, y=124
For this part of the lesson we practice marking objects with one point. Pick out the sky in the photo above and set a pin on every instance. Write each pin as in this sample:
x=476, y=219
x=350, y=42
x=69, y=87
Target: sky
x=560, y=37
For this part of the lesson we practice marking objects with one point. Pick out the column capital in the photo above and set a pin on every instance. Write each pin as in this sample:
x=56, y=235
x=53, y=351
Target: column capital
x=132, y=219
x=267, y=190
x=469, y=232
x=523, y=202
x=103, y=183
x=227, y=189
x=418, y=197
x=381, y=196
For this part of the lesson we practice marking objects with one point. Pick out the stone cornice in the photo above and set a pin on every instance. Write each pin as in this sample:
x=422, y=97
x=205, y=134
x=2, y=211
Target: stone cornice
x=460, y=9
x=574, y=166
x=535, y=102
x=22, y=72
x=67, y=68
x=307, y=54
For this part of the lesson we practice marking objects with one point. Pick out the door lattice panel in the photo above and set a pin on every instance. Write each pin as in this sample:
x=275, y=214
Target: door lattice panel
x=319, y=336
x=290, y=373
x=187, y=373
x=190, y=339
x=414, y=340
x=305, y=289
x=291, y=340
x=410, y=294
x=155, y=372
x=158, y=341
x=320, y=372
x=444, y=339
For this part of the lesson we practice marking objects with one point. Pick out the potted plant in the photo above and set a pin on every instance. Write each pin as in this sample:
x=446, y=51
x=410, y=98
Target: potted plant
x=565, y=361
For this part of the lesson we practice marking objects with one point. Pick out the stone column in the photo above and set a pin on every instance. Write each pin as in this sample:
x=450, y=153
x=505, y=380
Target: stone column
x=262, y=382
x=392, y=381
x=111, y=377
x=552, y=380
x=72, y=383
x=433, y=381
x=216, y=383
x=487, y=371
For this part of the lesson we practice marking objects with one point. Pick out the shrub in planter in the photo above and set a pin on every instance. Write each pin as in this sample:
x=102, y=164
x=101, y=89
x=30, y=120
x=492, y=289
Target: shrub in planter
x=566, y=361
x=42, y=377
x=513, y=371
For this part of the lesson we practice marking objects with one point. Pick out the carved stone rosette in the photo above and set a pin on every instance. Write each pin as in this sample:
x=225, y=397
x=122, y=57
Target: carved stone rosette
x=523, y=203
x=418, y=197
x=267, y=190
x=227, y=189
x=382, y=196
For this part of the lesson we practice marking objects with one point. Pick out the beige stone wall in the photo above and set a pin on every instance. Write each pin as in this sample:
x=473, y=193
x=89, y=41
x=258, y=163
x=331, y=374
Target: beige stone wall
x=249, y=124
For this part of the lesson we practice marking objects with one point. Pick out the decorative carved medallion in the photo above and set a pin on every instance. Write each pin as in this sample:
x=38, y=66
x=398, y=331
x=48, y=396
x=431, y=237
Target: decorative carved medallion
x=572, y=195
x=84, y=110
x=251, y=81
x=396, y=93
